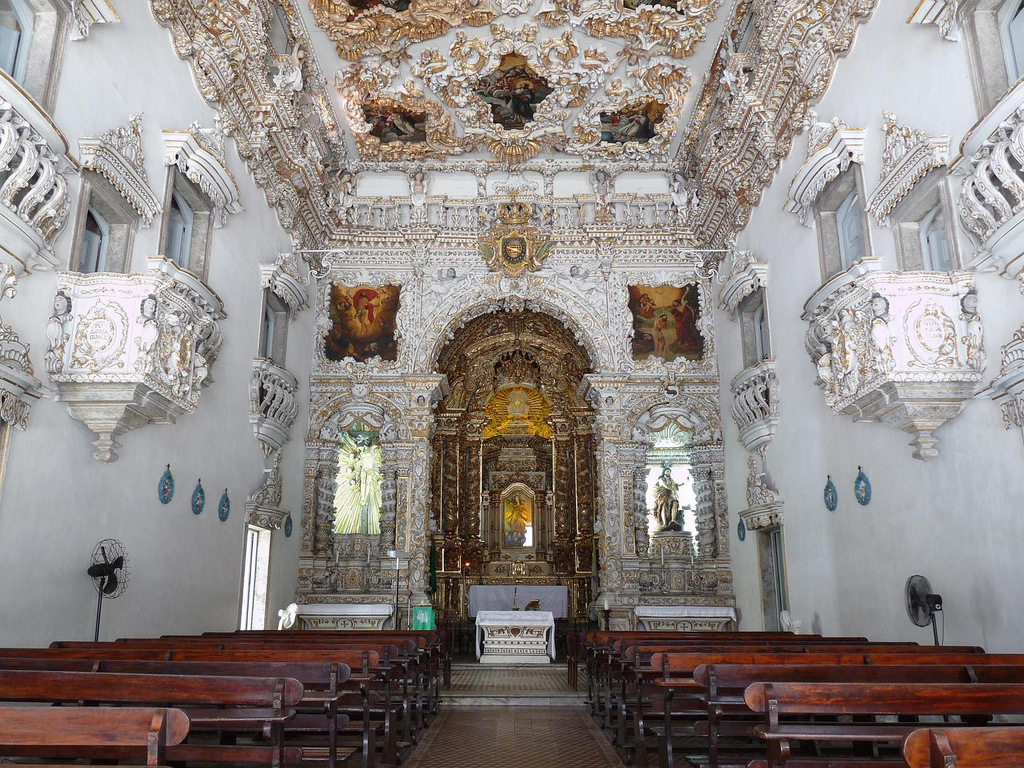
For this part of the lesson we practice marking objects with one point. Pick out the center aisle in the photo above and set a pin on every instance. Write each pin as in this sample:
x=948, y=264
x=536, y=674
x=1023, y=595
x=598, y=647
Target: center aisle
x=513, y=737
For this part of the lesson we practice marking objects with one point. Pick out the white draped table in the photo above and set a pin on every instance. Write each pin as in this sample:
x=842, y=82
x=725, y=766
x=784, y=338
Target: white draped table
x=500, y=597
x=515, y=637
x=685, y=618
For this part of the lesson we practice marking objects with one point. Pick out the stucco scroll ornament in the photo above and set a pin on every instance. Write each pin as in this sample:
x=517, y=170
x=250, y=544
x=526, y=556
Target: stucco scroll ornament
x=677, y=31
x=289, y=69
x=462, y=77
x=513, y=246
x=365, y=88
x=831, y=147
x=117, y=156
x=387, y=29
x=909, y=154
x=764, y=504
x=647, y=115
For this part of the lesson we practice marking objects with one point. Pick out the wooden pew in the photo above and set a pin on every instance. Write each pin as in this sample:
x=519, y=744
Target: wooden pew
x=228, y=704
x=990, y=747
x=82, y=729
x=778, y=701
x=727, y=714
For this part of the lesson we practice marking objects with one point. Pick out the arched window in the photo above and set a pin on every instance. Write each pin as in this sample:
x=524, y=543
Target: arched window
x=935, y=241
x=95, y=239
x=16, y=20
x=850, y=230
x=1011, y=31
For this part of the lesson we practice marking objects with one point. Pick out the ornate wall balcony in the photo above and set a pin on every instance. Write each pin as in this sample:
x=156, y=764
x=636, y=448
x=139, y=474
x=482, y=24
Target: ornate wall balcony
x=1007, y=389
x=272, y=404
x=991, y=203
x=903, y=348
x=755, y=404
x=33, y=191
x=130, y=350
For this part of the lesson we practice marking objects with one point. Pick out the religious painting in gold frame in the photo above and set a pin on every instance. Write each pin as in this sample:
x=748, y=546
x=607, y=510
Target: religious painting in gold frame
x=666, y=322
x=363, y=323
x=517, y=517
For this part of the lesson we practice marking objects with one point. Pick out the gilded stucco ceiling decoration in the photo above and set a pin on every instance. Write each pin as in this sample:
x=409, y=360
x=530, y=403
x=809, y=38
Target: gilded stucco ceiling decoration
x=634, y=122
x=512, y=245
x=673, y=26
x=393, y=125
x=386, y=27
x=513, y=93
x=777, y=59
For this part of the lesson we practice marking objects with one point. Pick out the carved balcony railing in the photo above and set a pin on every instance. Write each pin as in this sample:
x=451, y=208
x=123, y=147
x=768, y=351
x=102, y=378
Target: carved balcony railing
x=469, y=217
x=130, y=350
x=272, y=404
x=903, y=348
x=991, y=203
x=33, y=191
x=755, y=404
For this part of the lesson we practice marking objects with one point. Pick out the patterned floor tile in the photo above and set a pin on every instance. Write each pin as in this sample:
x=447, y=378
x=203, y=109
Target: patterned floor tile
x=507, y=680
x=513, y=737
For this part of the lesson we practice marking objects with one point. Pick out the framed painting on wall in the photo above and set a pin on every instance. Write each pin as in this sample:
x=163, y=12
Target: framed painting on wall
x=362, y=323
x=666, y=322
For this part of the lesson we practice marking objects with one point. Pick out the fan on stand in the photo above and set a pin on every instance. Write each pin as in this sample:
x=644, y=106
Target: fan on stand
x=923, y=604
x=109, y=571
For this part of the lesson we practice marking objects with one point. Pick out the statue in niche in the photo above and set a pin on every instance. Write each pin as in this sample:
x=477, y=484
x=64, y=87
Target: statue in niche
x=358, y=501
x=666, y=502
x=518, y=517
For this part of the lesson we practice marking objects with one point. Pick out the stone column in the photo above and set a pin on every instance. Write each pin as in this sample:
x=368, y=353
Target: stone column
x=389, y=503
x=561, y=447
x=708, y=467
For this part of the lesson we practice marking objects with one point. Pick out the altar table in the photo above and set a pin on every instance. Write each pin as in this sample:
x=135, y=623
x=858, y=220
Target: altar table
x=498, y=597
x=515, y=637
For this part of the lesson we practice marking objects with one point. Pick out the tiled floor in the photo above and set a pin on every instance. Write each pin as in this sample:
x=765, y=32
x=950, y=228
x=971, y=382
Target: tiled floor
x=480, y=679
x=513, y=737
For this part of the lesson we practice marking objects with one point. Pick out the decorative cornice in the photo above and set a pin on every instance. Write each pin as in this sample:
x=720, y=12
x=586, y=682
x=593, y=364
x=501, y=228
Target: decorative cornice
x=909, y=154
x=199, y=154
x=940, y=13
x=764, y=504
x=282, y=278
x=831, y=147
x=85, y=13
x=745, y=277
x=263, y=507
x=117, y=156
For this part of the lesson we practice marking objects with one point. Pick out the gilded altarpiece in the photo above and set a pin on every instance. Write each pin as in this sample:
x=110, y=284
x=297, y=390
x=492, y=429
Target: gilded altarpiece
x=524, y=383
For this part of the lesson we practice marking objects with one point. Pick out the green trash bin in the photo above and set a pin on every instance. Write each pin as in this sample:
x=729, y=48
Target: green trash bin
x=423, y=617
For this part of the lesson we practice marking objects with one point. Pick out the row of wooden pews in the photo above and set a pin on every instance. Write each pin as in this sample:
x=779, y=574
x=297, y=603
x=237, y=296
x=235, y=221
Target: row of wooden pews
x=769, y=700
x=288, y=699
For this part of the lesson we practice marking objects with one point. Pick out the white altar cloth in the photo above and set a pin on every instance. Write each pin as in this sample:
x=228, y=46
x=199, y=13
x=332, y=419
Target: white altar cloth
x=515, y=636
x=498, y=597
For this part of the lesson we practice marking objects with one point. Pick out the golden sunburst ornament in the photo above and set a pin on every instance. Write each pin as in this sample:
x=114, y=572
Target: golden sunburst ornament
x=512, y=245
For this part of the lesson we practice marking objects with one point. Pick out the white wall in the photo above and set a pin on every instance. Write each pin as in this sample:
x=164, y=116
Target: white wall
x=954, y=519
x=57, y=501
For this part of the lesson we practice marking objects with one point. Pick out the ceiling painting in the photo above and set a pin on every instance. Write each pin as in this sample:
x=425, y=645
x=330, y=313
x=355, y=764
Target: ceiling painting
x=514, y=91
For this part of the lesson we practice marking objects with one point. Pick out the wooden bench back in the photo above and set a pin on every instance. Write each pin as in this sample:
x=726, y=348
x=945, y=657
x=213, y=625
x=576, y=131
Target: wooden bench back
x=683, y=664
x=991, y=747
x=886, y=698
x=153, y=729
x=739, y=676
x=149, y=689
x=354, y=659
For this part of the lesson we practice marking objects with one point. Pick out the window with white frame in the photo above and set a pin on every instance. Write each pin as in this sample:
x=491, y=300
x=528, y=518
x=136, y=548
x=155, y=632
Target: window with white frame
x=842, y=227
x=255, y=578
x=993, y=31
x=106, y=227
x=924, y=239
x=187, y=226
x=31, y=45
x=754, y=336
x=273, y=337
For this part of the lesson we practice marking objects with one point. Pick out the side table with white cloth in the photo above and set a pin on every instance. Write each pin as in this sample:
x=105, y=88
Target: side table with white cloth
x=515, y=637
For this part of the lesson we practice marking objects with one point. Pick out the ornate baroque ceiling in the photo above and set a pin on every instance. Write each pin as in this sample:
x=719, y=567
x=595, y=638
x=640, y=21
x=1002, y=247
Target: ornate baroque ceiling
x=318, y=93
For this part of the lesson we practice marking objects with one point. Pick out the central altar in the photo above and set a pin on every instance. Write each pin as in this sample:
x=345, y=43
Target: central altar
x=515, y=637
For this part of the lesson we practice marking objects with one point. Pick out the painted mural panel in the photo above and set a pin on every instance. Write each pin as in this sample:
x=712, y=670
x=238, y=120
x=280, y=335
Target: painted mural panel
x=392, y=123
x=362, y=323
x=513, y=91
x=638, y=123
x=665, y=322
